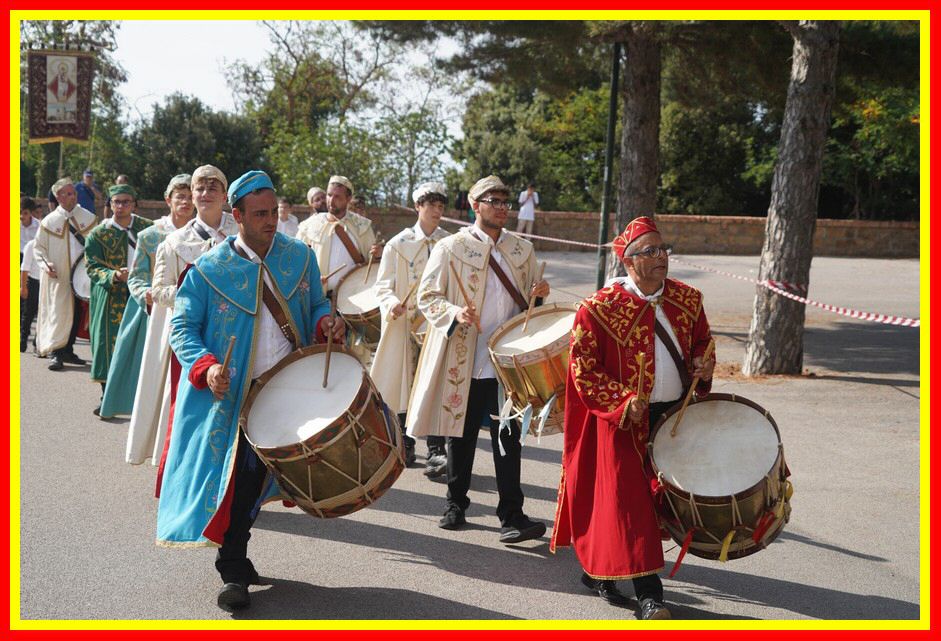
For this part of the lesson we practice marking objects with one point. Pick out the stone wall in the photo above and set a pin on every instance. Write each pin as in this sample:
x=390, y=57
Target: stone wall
x=736, y=235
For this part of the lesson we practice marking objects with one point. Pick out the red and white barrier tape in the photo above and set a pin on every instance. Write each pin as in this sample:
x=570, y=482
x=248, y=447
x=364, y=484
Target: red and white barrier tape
x=788, y=290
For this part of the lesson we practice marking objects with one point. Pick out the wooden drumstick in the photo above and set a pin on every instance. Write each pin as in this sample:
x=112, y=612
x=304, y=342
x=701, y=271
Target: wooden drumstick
x=532, y=299
x=411, y=290
x=326, y=369
x=324, y=279
x=467, y=298
x=368, y=267
x=642, y=362
x=689, y=395
x=228, y=356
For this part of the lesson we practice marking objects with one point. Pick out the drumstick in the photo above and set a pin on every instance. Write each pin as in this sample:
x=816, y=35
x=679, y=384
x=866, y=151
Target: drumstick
x=705, y=357
x=532, y=299
x=324, y=279
x=326, y=369
x=228, y=356
x=411, y=290
x=368, y=267
x=467, y=298
x=642, y=356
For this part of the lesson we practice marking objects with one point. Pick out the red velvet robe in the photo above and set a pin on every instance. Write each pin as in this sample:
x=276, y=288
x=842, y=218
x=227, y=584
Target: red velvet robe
x=605, y=507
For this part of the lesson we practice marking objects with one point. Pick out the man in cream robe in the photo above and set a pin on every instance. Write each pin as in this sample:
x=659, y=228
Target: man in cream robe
x=403, y=260
x=211, y=226
x=58, y=247
x=455, y=386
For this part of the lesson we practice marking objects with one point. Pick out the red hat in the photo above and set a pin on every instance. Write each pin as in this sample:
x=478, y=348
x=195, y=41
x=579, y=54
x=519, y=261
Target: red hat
x=634, y=230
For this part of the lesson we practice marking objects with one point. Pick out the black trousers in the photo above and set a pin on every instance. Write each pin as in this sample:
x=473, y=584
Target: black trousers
x=28, y=309
x=76, y=323
x=481, y=403
x=232, y=558
x=435, y=443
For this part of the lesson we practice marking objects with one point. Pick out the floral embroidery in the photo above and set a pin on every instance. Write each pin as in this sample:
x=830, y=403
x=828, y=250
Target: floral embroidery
x=304, y=286
x=454, y=372
x=222, y=308
x=455, y=400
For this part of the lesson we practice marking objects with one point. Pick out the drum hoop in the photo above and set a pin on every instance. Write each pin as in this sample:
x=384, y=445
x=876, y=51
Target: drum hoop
x=510, y=323
x=724, y=499
x=262, y=380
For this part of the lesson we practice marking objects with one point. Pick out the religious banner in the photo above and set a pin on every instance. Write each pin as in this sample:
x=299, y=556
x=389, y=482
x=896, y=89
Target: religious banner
x=59, y=87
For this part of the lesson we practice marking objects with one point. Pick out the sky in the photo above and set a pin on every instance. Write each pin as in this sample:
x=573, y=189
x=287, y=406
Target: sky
x=164, y=57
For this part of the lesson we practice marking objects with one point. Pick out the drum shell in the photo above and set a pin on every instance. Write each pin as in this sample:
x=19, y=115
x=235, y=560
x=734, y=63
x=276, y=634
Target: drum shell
x=533, y=377
x=81, y=283
x=344, y=467
x=367, y=324
x=717, y=513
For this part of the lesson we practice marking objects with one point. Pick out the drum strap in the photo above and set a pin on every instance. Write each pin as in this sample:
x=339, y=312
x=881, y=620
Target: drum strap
x=349, y=244
x=507, y=285
x=271, y=302
x=76, y=233
x=664, y=336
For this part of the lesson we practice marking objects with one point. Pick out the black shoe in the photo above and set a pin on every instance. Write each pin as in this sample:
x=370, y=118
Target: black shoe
x=651, y=609
x=72, y=359
x=56, y=364
x=522, y=529
x=606, y=589
x=22, y=346
x=436, y=465
x=233, y=596
x=97, y=411
x=409, y=455
x=453, y=519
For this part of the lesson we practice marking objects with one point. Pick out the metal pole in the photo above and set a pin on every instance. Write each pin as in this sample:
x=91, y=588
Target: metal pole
x=608, y=164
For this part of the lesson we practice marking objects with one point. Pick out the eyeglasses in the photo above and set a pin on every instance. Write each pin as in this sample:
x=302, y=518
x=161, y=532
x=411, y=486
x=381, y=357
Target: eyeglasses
x=121, y=203
x=498, y=204
x=653, y=251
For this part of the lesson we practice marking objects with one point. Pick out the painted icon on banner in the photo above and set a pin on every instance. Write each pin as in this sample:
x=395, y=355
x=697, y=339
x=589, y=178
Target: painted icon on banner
x=61, y=92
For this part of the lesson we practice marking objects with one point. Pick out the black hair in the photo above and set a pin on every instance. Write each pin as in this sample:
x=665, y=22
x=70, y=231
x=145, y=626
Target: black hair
x=28, y=203
x=431, y=197
x=238, y=203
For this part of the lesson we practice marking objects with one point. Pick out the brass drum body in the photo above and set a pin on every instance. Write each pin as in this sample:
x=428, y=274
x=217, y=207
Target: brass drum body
x=332, y=451
x=722, y=477
x=357, y=303
x=532, y=366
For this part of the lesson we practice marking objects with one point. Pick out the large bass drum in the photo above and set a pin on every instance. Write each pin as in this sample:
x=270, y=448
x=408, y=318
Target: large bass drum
x=358, y=304
x=532, y=365
x=723, y=491
x=81, y=283
x=332, y=450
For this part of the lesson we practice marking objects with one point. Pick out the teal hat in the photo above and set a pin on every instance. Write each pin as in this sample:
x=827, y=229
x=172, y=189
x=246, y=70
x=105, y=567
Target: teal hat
x=114, y=190
x=247, y=183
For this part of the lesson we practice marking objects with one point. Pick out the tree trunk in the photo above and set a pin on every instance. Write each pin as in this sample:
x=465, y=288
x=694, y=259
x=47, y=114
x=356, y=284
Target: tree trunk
x=640, y=136
x=776, y=338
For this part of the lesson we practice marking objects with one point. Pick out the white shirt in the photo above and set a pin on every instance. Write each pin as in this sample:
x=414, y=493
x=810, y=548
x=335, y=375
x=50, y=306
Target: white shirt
x=215, y=233
x=289, y=226
x=131, y=252
x=498, y=307
x=76, y=249
x=338, y=256
x=272, y=346
x=528, y=207
x=667, y=385
x=28, y=233
x=30, y=264
x=420, y=235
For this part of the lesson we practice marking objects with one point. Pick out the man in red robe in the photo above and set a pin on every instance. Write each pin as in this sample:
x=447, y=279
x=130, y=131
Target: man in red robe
x=636, y=346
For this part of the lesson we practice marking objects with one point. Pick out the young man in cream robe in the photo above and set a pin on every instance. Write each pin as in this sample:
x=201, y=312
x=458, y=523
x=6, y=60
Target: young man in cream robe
x=320, y=233
x=57, y=250
x=211, y=226
x=403, y=261
x=455, y=386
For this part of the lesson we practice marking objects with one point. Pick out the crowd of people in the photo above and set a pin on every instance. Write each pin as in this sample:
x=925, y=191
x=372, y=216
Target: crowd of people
x=231, y=259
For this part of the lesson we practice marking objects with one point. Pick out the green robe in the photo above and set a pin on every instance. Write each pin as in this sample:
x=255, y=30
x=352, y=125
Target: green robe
x=105, y=250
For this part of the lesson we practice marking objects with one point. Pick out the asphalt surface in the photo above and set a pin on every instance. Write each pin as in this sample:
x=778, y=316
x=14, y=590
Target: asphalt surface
x=850, y=429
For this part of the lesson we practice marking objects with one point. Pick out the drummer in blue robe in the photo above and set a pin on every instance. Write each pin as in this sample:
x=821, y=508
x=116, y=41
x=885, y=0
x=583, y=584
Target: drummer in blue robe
x=213, y=483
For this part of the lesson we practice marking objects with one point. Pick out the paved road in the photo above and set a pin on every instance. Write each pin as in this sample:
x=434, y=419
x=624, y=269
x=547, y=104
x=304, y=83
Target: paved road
x=851, y=550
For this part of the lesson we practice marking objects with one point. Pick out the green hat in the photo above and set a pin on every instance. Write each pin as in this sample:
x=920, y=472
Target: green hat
x=114, y=190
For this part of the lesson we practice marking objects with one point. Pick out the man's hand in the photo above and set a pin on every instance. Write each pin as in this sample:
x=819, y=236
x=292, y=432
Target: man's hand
x=635, y=409
x=376, y=251
x=397, y=311
x=336, y=327
x=218, y=380
x=52, y=272
x=540, y=289
x=120, y=275
x=703, y=370
x=148, y=297
x=24, y=292
x=468, y=316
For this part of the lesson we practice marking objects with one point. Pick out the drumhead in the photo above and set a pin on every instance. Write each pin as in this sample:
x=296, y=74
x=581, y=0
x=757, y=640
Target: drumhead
x=355, y=296
x=81, y=283
x=292, y=406
x=721, y=448
x=543, y=329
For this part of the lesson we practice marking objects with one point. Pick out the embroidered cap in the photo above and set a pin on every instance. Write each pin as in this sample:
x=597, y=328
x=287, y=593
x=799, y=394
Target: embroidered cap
x=180, y=180
x=341, y=180
x=482, y=186
x=209, y=171
x=247, y=183
x=114, y=190
x=634, y=230
x=313, y=191
x=429, y=188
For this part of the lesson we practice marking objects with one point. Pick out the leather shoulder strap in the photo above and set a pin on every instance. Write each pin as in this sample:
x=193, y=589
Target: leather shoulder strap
x=507, y=284
x=271, y=302
x=664, y=336
x=349, y=244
